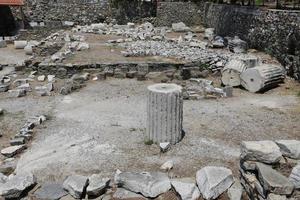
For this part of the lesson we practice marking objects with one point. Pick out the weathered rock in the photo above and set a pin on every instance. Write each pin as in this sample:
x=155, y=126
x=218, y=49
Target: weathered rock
x=13, y=150
x=209, y=33
x=276, y=197
x=273, y=181
x=41, y=78
x=4, y=87
x=16, y=185
x=8, y=167
x=126, y=194
x=180, y=27
x=51, y=78
x=28, y=49
x=2, y=43
x=295, y=176
x=3, y=178
x=149, y=184
x=17, y=93
x=235, y=192
x=50, y=191
x=213, y=181
x=263, y=151
x=237, y=45
x=17, y=141
x=186, y=188
x=289, y=148
x=75, y=185
x=97, y=185
x=25, y=87
x=164, y=146
x=167, y=165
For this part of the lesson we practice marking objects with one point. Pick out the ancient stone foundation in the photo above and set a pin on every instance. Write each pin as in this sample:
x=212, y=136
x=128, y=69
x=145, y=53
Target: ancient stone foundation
x=164, y=113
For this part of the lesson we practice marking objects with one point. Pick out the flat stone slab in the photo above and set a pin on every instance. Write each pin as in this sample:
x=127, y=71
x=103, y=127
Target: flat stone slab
x=263, y=151
x=97, y=185
x=235, y=192
x=15, y=186
x=186, y=188
x=13, y=150
x=272, y=181
x=149, y=184
x=213, y=181
x=75, y=185
x=289, y=148
x=295, y=176
x=50, y=191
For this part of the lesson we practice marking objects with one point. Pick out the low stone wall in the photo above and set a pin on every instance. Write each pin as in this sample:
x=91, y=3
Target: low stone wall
x=189, y=13
x=275, y=31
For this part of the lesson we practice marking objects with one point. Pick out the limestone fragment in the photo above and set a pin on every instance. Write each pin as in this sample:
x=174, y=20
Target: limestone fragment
x=75, y=185
x=12, y=150
x=97, y=185
x=289, y=148
x=186, y=188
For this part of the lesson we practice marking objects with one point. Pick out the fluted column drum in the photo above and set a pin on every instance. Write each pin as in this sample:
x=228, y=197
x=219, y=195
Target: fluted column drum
x=164, y=113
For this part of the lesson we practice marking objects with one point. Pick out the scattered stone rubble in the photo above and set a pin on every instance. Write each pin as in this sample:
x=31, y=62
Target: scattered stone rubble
x=267, y=171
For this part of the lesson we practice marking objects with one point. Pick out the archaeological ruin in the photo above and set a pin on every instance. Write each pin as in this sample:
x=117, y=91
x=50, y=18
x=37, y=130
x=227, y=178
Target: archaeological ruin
x=150, y=99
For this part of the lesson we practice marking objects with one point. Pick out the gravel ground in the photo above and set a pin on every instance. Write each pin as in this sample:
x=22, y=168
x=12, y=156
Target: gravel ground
x=100, y=129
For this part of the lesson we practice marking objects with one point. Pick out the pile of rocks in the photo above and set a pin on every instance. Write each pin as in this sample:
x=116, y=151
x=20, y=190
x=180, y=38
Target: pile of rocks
x=271, y=170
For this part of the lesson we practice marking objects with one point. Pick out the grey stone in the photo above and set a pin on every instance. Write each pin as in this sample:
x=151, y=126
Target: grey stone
x=50, y=191
x=213, y=181
x=20, y=44
x=289, y=148
x=25, y=87
x=235, y=192
x=273, y=181
x=180, y=27
x=2, y=43
x=13, y=150
x=167, y=166
x=51, y=78
x=164, y=146
x=276, y=197
x=3, y=178
x=17, y=141
x=263, y=151
x=17, y=93
x=41, y=78
x=295, y=176
x=209, y=33
x=149, y=184
x=97, y=185
x=122, y=193
x=186, y=188
x=16, y=185
x=4, y=88
x=75, y=185
x=8, y=167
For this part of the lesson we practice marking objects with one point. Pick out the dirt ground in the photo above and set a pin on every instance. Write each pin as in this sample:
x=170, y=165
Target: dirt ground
x=100, y=129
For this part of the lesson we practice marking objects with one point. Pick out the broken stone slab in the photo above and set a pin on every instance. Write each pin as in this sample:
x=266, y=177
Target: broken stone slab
x=272, y=181
x=186, y=188
x=262, y=151
x=20, y=44
x=17, y=141
x=76, y=185
x=122, y=193
x=235, y=192
x=17, y=185
x=276, y=197
x=25, y=87
x=41, y=78
x=13, y=150
x=295, y=176
x=17, y=93
x=4, y=87
x=213, y=181
x=180, y=27
x=167, y=166
x=289, y=148
x=97, y=185
x=50, y=191
x=149, y=184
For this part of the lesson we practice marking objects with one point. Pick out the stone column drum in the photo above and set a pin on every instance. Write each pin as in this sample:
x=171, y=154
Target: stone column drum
x=164, y=113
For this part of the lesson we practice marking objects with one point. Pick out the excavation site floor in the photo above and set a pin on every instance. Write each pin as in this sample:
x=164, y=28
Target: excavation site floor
x=100, y=129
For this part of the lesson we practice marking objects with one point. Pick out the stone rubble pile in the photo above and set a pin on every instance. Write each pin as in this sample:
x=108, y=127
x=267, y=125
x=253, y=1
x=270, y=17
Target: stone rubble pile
x=270, y=170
